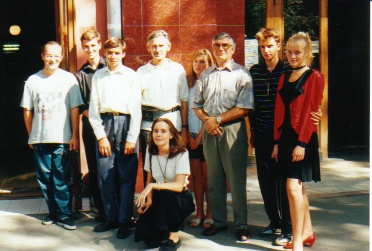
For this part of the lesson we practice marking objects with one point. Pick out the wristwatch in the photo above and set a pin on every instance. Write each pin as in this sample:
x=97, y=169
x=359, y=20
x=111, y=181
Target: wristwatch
x=219, y=120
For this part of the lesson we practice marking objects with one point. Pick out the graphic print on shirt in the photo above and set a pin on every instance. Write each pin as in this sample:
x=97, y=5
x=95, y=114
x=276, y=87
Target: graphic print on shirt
x=49, y=104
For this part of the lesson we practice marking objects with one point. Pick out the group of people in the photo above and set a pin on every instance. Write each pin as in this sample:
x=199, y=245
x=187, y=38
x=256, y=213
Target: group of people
x=185, y=124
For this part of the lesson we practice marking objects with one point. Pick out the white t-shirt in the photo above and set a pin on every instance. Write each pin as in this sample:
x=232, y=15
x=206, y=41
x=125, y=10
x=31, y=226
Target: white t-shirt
x=162, y=167
x=163, y=87
x=51, y=99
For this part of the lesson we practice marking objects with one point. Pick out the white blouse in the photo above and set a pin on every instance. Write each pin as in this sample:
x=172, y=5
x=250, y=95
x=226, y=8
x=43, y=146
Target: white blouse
x=165, y=170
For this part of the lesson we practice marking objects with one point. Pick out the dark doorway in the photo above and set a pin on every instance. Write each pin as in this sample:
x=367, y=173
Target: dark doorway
x=20, y=58
x=349, y=78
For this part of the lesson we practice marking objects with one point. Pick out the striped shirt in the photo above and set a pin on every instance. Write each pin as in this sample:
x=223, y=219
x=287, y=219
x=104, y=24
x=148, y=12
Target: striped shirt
x=265, y=85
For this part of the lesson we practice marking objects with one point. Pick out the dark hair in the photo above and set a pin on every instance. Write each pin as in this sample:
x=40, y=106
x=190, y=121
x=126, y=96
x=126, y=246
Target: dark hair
x=176, y=144
x=51, y=43
x=114, y=42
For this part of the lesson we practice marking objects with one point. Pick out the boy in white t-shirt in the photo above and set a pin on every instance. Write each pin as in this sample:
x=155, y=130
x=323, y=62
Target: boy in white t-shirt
x=51, y=101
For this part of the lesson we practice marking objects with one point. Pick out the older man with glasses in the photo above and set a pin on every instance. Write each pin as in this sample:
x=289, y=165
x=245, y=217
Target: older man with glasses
x=222, y=100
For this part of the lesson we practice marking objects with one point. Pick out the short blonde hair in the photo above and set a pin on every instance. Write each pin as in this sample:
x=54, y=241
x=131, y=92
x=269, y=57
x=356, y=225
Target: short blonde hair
x=51, y=43
x=90, y=34
x=265, y=33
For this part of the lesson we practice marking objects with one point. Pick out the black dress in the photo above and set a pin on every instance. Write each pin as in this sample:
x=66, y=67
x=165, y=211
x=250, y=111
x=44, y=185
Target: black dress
x=309, y=168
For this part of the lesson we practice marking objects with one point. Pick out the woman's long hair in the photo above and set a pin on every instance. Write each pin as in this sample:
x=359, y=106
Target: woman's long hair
x=191, y=76
x=176, y=144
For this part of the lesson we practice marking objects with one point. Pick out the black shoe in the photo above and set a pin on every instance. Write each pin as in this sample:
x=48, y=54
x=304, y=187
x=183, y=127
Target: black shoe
x=49, y=220
x=67, y=223
x=152, y=244
x=270, y=230
x=132, y=223
x=242, y=234
x=124, y=231
x=100, y=218
x=105, y=226
x=213, y=230
x=170, y=245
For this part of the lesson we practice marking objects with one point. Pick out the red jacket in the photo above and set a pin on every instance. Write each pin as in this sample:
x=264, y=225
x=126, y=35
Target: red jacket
x=300, y=108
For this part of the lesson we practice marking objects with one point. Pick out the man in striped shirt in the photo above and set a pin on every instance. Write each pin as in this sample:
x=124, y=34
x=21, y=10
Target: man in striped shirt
x=272, y=183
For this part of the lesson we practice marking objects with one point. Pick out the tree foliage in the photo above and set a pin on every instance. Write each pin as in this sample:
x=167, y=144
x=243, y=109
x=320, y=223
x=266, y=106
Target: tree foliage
x=299, y=15
x=254, y=16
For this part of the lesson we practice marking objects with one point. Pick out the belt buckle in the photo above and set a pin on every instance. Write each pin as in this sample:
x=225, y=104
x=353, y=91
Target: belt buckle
x=115, y=113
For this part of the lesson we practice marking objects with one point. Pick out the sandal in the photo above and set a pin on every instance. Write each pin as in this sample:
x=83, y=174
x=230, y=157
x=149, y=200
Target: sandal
x=208, y=223
x=195, y=222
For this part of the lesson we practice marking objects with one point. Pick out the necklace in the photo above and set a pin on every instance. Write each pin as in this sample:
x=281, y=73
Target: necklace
x=298, y=68
x=163, y=173
x=267, y=82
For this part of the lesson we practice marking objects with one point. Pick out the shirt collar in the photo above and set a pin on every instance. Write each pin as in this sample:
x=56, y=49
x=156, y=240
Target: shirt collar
x=120, y=69
x=157, y=66
x=101, y=64
x=229, y=67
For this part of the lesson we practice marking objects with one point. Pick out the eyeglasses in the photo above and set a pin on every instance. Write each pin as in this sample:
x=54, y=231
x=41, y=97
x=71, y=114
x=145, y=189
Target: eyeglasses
x=217, y=46
x=53, y=56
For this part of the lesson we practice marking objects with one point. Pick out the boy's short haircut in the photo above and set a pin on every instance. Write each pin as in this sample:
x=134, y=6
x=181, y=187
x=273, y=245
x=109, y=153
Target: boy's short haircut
x=51, y=43
x=115, y=42
x=265, y=33
x=90, y=34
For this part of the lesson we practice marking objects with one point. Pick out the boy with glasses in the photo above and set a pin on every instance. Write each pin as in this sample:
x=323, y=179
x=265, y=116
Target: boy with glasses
x=51, y=101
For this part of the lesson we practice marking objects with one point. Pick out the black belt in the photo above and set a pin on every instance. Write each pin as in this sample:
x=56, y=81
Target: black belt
x=114, y=114
x=173, y=109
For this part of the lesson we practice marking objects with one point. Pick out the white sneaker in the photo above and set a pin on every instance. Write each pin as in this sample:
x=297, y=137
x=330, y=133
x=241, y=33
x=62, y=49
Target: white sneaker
x=283, y=239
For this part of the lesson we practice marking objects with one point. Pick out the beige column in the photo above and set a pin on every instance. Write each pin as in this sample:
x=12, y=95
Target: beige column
x=323, y=61
x=275, y=18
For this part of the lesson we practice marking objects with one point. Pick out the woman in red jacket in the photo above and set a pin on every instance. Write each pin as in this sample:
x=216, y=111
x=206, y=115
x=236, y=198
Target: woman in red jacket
x=300, y=93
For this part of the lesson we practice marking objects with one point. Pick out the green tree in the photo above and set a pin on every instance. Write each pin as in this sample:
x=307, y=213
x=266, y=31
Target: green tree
x=254, y=16
x=301, y=15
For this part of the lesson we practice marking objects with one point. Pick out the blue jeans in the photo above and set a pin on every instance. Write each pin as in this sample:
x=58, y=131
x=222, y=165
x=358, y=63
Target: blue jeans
x=117, y=193
x=53, y=170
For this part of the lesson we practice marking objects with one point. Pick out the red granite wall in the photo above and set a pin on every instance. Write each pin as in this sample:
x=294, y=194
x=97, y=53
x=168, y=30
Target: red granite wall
x=191, y=25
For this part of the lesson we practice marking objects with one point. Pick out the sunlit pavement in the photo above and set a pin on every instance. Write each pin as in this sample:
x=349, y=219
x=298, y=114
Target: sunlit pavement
x=339, y=210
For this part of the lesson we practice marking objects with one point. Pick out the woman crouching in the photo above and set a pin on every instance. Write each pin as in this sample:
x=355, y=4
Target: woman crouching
x=165, y=202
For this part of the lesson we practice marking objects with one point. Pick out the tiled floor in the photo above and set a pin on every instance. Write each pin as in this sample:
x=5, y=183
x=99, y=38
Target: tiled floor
x=31, y=206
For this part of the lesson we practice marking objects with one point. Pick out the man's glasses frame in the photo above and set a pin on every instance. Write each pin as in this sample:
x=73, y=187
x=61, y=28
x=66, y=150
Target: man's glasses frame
x=224, y=46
